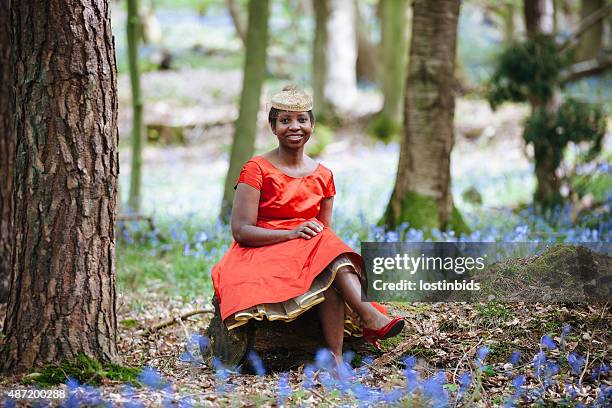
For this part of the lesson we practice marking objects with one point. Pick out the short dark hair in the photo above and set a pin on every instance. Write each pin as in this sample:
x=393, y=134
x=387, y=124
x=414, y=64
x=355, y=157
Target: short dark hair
x=275, y=112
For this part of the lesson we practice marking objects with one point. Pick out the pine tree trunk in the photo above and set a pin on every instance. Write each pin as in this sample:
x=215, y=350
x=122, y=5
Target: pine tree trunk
x=591, y=40
x=422, y=194
x=66, y=170
x=243, y=145
x=133, y=23
x=319, y=58
x=394, y=44
x=7, y=154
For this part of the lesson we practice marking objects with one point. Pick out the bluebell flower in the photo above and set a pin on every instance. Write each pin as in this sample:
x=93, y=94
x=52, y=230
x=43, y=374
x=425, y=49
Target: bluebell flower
x=576, y=362
x=465, y=380
x=600, y=370
x=257, y=363
x=9, y=403
x=72, y=384
x=151, y=378
x=481, y=355
x=393, y=396
x=515, y=357
x=539, y=361
x=566, y=330
x=283, y=388
x=434, y=392
x=308, y=382
x=366, y=396
x=548, y=342
x=324, y=359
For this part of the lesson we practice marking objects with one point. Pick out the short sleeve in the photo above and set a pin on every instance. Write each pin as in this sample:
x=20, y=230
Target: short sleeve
x=330, y=190
x=250, y=174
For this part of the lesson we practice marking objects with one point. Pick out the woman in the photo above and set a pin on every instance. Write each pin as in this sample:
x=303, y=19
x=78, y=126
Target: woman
x=285, y=258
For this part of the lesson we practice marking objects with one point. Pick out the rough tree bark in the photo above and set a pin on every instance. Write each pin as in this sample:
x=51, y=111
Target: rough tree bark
x=243, y=145
x=7, y=153
x=422, y=193
x=66, y=171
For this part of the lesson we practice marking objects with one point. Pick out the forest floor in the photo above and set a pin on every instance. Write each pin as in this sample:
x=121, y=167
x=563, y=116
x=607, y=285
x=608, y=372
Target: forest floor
x=442, y=336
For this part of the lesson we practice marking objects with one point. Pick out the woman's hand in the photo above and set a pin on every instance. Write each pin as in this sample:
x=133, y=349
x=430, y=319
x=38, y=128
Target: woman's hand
x=306, y=230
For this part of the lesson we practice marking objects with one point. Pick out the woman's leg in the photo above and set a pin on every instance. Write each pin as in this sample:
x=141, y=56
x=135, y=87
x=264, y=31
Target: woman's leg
x=349, y=286
x=331, y=315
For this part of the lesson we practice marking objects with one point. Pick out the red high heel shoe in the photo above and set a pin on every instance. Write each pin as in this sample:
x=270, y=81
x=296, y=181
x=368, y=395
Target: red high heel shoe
x=393, y=328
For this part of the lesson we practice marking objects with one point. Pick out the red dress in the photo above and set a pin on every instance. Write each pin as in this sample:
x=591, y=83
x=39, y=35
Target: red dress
x=249, y=276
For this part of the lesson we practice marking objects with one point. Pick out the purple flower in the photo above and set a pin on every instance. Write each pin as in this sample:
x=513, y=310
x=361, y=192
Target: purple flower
x=308, y=381
x=324, y=359
x=566, y=330
x=548, y=342
x=515, y=357
x=283, y=388
x=256, y=363
x=576, y=362
x=151, y=378
x=601, y=370
x=481, y=355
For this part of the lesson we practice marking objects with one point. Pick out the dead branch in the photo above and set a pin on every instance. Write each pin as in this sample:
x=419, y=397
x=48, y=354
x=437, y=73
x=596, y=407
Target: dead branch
x=584, y=69
x=174, y=320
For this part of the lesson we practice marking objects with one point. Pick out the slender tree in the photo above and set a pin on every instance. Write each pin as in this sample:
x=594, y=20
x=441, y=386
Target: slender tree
x=591, y=41
x=341, y=85
x=394, y=50
x=243, y=145
x=133, y=24
x=234, y=11
x=422, y=193
x=7, y=153
x=66, y=167
x=319, y=58
x=366, y=50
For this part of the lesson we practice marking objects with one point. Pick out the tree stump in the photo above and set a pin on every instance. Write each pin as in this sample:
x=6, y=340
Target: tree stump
x=280, y=345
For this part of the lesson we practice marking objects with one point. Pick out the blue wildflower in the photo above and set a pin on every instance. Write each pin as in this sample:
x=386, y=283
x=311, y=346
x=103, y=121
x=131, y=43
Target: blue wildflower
x=576, y=362
x=515, y=358
x=324, y=359
x=548, y=342
x=433, y=390
x=151, y=378
x=257, y=363
x=308, y=382
x=566, y=330
x=481, y=355
x=283, y=388
x=465, y=380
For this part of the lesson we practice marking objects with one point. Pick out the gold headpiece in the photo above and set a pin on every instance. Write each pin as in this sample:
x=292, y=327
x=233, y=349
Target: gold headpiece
x=292, y=98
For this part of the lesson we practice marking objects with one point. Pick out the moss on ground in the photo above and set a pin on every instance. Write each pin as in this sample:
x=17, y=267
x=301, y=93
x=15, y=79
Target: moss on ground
x=84, y=369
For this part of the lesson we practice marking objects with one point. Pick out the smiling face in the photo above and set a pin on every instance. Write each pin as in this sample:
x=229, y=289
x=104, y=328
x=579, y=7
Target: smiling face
x=293, y=129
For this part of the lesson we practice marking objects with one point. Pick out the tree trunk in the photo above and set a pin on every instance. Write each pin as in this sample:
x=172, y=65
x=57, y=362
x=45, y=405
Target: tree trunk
x=366, y=52
x=591, y=40
x=539, y=16
x=133, y=23
x=341, y=86
x=243, y=145
x=7, y=154
x=319, y=59
x=237, y=20
x=66, y=169
x=422, y=194
x=394, y=47
x=280, y=345
x=538, y=20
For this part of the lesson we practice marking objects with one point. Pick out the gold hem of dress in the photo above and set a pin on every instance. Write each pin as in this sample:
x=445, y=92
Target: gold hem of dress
x=305, y=302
